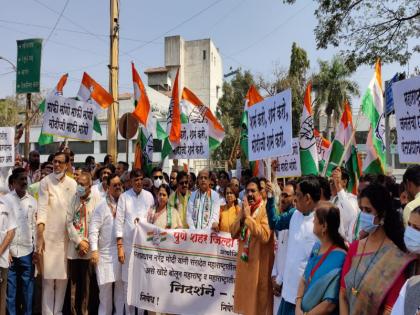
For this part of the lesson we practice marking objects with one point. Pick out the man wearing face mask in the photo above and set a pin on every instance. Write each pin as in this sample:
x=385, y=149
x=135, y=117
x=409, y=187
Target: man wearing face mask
x=408, y=299
x=78, y=217
x=204, y=205
x=102, y=187
x=132, y=205
x=103, y=244
x=55, y=195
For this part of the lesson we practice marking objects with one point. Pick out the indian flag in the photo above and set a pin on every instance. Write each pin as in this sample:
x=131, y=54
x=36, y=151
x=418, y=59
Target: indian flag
x=193, y=110
x=91, y=91
x=143, y=113
x=58, y=90
x=173, y=128
x=323, y=148
x=343, y=138
x=252, y=97
x=373, y=108
x=307, y=141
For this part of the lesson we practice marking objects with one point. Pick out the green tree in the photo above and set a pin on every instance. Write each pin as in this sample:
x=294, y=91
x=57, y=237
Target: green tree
x=368, y=29
x=10, y=112
x=332, y=86
x=229, y=111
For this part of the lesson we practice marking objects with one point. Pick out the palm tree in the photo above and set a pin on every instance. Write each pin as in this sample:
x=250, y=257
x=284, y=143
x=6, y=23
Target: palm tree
x=332, y=86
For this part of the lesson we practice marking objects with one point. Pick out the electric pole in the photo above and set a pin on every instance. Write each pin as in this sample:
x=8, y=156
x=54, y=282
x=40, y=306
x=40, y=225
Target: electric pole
x=113, y=78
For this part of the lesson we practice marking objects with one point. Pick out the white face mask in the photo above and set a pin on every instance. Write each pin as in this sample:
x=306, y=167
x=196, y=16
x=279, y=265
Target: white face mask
x=157, y=183
x=59, y=176
x=366, y=222
x=412, y=240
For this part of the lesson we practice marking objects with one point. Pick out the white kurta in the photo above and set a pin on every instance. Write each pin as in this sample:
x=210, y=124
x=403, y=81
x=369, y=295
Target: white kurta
x=99, y=190
x=299, y=246
x=7, y=223
x=54, y=200
x=130, y=207
x=349, y=210
x=214, y=213
x=102, y=237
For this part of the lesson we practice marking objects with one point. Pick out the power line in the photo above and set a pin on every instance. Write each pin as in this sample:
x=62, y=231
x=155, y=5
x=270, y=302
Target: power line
x=240, y=2
x=56, y=23
x=269, y=33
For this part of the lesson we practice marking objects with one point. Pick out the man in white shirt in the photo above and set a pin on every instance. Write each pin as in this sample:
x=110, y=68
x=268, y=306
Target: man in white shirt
x=204, y=205
x=301, y=237
x=7, y=232
x=79, y=214
x=55, y=194
x=345, y=201
x=132, y=205
x=21, y=249
x=101, y=188
x=411, y=180
x=103, y=242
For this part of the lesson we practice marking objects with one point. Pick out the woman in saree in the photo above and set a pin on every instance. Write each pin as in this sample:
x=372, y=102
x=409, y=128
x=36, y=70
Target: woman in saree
x=163, y=215
x=319, y=286
x=375, y=267
x=230, y=210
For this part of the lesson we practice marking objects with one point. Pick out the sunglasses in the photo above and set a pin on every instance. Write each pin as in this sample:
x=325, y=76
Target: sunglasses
x=183, y=183
x=158, y=177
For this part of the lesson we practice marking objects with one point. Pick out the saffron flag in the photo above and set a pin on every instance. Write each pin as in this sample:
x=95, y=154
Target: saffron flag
x=143, y=113
x=307, y=141
x=193, y=110
x=373, y=108
x=173, y=128
x=58, y=90
x=91, y=91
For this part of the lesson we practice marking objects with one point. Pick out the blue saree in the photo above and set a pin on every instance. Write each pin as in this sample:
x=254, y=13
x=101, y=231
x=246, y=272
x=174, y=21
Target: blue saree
x=325, y=282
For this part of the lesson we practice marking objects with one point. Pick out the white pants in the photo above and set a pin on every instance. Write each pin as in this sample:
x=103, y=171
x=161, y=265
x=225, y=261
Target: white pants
x=130, y=310
x=105, y=298
x=53, y=293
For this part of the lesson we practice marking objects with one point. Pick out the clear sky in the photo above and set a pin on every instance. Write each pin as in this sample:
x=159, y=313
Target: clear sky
x=250, y=34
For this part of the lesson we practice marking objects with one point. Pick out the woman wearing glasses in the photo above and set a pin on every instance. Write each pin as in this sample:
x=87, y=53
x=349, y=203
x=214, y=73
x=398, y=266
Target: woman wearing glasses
x=229, y=211
x=163, y=215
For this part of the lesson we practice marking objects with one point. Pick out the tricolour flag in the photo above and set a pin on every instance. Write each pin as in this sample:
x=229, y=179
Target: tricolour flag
x=344, y=138
x=252, y=97
x=58, y=90
x=143, y=113
x=323, y=148
x=193, y=109
x=373, y=108
x=307, y=141
x=173, y=128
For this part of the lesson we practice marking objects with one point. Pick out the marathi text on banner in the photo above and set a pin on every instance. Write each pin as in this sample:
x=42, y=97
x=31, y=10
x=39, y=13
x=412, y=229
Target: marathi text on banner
x=182, y=271
x=7, y=146
x=407, y=112
x=289, y=165
x=270, y=127
x=68, y=118
x=194, y=142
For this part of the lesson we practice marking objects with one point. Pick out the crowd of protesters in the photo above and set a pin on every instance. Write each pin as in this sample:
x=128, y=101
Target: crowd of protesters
x=305, y=246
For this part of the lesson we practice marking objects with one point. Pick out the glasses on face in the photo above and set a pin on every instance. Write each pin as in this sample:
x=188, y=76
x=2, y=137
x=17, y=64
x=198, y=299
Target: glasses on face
x=59, y=162
x=185, y=182
x=285, y=195
x=203, y=178
x=117, y=185
x=158, y=177
x=252, y=191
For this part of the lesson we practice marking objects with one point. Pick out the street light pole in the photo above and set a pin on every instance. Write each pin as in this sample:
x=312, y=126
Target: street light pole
x=14, y=69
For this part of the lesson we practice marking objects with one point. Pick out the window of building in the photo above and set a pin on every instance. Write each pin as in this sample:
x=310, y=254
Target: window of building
x=204, y=54
x=43, y=149
x=361, y=137
x=80, y=147
x=121, y=146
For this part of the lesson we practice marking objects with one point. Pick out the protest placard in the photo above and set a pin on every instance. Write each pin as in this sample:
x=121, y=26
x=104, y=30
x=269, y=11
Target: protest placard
x=289, y=165
x=270, y=127
x=7, y=146
x=194, y=142
x=68, y=118
x=407, y=112
x=182, y=271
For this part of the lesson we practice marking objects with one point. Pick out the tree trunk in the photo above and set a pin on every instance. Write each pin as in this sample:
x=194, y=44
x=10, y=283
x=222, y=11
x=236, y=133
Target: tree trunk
x=329, y=127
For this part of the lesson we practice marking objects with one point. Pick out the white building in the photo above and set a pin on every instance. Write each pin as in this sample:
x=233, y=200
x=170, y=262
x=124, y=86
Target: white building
x=200, y=69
